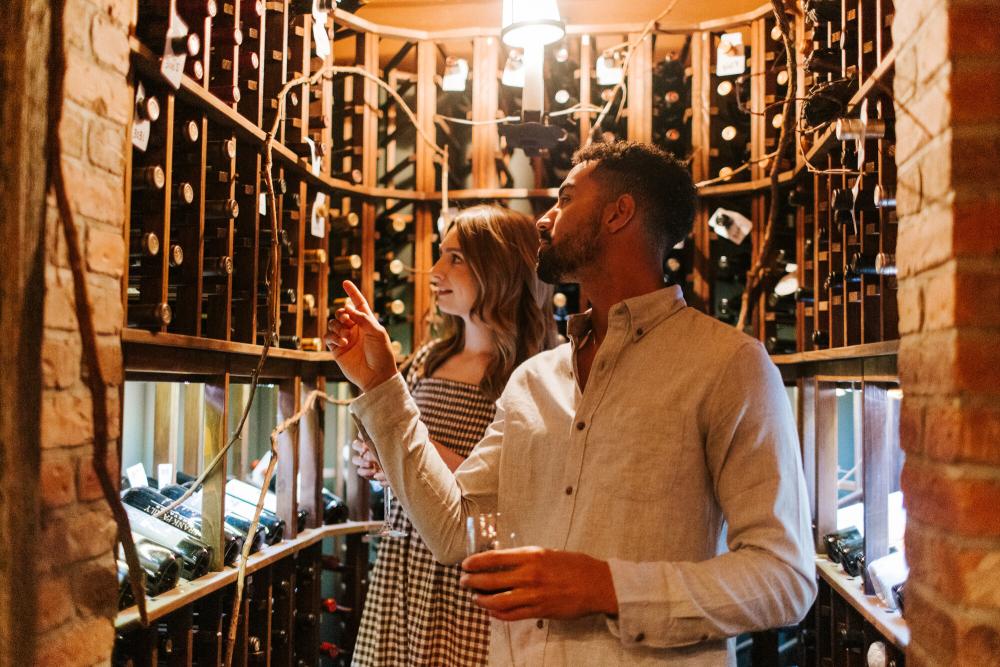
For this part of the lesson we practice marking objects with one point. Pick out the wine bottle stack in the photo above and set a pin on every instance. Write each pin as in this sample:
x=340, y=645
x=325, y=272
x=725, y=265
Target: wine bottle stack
x=672, y=106
x=729, y=123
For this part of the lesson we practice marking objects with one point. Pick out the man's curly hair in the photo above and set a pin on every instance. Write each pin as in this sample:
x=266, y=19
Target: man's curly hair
x=660, y=183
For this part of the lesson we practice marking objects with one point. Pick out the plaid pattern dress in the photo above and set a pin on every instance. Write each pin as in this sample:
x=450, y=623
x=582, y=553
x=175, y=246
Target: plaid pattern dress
x=415, y=612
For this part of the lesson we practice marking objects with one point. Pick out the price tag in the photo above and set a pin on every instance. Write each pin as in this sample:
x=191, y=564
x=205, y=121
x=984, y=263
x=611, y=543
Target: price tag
x=316, y=160
x=164, y=474
x=321, y=37
x=731, y=57
x=141, y=129
x=319, y=210
x=262, y=204
x=172, y=64
x=730, y=225
x=137, y=475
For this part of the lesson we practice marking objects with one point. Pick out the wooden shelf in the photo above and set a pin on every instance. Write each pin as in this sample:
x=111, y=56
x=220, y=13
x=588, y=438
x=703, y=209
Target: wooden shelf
x=503, y=193
x=866, y=351
x=168, y=354
x=747, y=187
x=888, y=622
x=187, y=592
x=194, y=93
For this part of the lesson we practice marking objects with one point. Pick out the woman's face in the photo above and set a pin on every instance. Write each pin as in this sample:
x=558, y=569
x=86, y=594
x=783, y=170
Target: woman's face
x=452, y=279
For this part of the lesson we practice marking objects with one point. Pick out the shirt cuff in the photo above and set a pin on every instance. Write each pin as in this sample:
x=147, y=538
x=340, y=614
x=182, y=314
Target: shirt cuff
x=632, y=588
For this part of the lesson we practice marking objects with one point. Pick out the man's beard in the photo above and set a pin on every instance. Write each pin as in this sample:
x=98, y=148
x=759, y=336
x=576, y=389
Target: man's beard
x=556, y=264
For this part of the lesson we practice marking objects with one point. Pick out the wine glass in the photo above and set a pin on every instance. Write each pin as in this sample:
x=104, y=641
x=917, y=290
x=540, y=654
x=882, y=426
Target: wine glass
x=482, y=533
x=386, y=529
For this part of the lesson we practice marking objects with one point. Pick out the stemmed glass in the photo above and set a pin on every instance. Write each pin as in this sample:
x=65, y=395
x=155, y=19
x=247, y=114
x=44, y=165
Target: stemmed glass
x=386, y=529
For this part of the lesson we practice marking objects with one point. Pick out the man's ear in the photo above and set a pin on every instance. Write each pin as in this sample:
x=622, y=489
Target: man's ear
x=619, y=213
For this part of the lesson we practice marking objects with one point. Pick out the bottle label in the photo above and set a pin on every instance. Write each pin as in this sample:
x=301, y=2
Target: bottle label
x=318, y=223
x=731, y=57
x=140, y=129
x=172, y=64
x=164, y=474
x=137, y=475
x=321, y=37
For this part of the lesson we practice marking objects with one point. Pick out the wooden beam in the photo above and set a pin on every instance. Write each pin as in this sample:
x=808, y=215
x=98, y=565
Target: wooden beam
x=640, y=90
x=214, y=492
x=878, y=468
x=286, y=486
x=826, y=460
x=423, y=219
x=23, y=167
x=485, y=101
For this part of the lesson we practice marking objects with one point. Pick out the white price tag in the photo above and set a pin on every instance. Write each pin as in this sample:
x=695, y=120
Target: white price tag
x=317, y=159
x=140, y=134
x=262, y=204
x=164, y=474
x=137, y=475
x=140, y=129
x=319, y=210
x=320, y=36
x=730, y=225
x=172, y=65
x=731, y=57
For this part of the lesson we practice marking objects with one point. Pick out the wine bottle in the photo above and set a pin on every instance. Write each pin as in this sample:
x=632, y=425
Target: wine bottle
x=149, y=178
x=195, y=555
x=149, y=314
x=147, y=245
x=250, y=494
x=335, y=510
x=161, y=565
x=125, y=597
x=274, y=526
x=346, y=263
x=183, y=518
x=237, y=523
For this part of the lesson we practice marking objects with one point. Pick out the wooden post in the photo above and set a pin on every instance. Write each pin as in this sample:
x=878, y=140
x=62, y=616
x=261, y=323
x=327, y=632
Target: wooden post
x=485, y=101
x=213, y=506
x=311, y=455
x=366, y=95
x=423, y=219
x=640, y=90
x=288, y=456
x=826, y=460
x=878, y=466
x=23, y=166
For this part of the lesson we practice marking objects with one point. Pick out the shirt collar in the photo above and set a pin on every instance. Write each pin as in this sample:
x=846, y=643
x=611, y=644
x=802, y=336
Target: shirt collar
x=641, y=313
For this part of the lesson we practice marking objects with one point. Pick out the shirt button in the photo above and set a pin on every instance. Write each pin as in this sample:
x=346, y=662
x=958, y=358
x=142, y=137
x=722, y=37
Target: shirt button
x=569, y=490
x=704, y=638
x=540, y=624
x=639, y=637
x=580, y=426
x=638, y=332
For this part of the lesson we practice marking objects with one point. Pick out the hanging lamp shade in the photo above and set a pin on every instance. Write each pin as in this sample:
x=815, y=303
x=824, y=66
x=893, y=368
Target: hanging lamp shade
x=531, y=22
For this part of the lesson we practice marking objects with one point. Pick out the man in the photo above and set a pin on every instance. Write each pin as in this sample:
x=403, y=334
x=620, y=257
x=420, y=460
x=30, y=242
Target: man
x=649, y=467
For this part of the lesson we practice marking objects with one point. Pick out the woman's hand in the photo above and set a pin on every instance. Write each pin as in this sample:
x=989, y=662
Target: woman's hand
x=360, y=345
x=367, y=464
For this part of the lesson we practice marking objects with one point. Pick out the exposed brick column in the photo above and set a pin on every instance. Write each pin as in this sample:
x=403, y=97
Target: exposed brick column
x=77, y=584
x=947, y=90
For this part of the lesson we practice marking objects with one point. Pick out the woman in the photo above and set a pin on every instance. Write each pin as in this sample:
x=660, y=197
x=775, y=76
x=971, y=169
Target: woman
x=415, y=612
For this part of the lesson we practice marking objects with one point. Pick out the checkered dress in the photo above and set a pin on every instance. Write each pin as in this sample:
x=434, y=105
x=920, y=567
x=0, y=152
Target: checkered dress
x=415, y=612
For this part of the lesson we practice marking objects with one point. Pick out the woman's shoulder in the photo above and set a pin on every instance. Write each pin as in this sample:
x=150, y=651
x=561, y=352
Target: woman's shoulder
x=413, y=368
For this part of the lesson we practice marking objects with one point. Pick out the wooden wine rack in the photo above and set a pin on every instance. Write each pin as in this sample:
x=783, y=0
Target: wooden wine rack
x=375, y=186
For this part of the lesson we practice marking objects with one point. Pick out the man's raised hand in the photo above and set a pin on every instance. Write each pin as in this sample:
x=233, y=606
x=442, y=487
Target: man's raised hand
x=360, y=345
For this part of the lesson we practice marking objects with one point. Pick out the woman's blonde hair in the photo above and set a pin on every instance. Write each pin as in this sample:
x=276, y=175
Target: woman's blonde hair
x=501, y=248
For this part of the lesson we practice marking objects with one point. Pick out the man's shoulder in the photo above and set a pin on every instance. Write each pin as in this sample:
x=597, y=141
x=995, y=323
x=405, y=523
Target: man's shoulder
x=695, y=328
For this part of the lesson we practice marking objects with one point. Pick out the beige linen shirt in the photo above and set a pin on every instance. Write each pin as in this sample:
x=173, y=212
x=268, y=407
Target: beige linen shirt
x=678, y=464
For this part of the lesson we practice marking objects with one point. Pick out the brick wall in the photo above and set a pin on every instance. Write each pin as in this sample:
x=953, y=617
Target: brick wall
x=947, y=88
x=75, y=570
